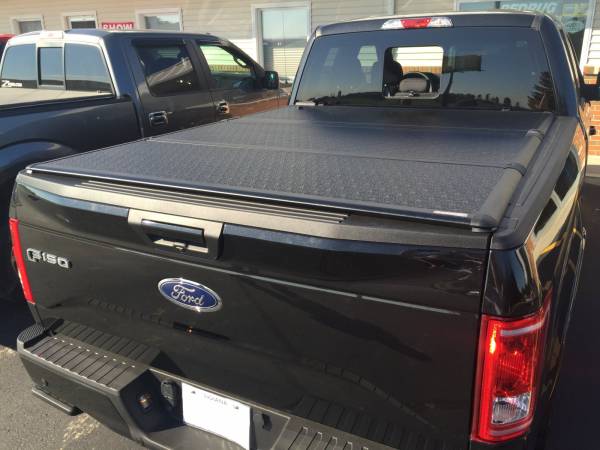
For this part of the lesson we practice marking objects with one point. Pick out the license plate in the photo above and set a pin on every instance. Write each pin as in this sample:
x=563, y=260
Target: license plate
x=216, y=414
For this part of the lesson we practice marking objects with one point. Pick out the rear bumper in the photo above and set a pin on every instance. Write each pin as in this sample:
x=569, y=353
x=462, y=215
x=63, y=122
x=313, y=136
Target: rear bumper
x=76, y=375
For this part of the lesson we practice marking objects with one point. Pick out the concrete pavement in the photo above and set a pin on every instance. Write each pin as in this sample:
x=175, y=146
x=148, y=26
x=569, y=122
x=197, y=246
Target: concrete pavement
x=29, y=423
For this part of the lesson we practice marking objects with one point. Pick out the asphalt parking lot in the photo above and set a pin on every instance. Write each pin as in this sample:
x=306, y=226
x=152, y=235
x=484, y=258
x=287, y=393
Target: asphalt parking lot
x=28, y=423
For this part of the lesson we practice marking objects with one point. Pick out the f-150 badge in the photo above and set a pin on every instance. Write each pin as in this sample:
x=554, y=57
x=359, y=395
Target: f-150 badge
x=189, y=294
x=35, y=255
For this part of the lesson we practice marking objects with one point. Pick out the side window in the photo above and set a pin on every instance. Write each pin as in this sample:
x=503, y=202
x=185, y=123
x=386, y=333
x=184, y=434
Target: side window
x=168, y=69
x=567, y=177
x=19, y=70
x=51, y=66
x=86, y=70
x=229, y=70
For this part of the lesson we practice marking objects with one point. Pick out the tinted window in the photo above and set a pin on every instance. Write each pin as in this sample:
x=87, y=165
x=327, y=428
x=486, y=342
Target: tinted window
x=567, y=177
x=477, y=68
x=546, y=215
x=2, y=45
x=51, y=66
x=572, y=14
x=228, y=69
x=18, y=70
x=86, y=70
x=168, y=69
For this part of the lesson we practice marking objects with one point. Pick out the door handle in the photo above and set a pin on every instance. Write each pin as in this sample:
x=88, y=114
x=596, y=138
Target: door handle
x=184, y=235
x=223, y=107
x=158, y=118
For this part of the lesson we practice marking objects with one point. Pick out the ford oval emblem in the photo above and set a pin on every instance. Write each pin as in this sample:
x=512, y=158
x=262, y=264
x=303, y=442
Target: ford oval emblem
x=189, y=294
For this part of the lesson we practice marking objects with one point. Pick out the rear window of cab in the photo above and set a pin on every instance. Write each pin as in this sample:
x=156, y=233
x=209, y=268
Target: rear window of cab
x=498, y=68
x=75, y=70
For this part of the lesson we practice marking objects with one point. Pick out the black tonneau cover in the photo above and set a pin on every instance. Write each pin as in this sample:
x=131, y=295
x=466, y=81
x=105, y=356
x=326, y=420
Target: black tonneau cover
x=452, y=166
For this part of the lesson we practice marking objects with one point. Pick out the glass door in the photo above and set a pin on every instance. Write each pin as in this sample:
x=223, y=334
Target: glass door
x=284, y=33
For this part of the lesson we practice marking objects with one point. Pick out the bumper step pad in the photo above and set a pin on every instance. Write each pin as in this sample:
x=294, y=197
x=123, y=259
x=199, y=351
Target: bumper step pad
x=107, y=385
x=109, y=370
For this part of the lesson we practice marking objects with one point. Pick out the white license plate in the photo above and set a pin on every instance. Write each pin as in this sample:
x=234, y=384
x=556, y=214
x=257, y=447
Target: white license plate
x=216, y=414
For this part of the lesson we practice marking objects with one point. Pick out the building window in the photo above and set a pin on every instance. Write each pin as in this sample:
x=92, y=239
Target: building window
x=283, y=33
x=80, y=20
x=574, y=15
x=22, y=25
x=160, y=19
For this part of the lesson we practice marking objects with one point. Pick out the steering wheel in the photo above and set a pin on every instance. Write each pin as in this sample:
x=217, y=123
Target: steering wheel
x=422, y=75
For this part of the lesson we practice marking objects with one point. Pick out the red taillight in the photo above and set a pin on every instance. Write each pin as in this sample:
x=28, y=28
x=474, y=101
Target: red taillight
x=510, y=352
x=416, y=23
x=18, y=253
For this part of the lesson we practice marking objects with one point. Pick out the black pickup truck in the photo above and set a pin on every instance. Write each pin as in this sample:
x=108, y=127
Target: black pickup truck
x=390, y=261
x=66, y=92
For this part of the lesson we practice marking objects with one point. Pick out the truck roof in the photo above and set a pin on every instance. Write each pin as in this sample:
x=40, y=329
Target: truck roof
x=96, y=35
x=504, y=18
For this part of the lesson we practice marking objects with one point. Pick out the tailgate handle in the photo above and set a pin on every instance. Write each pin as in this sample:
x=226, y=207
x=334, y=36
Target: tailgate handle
x=184, y=235
x=176, y=237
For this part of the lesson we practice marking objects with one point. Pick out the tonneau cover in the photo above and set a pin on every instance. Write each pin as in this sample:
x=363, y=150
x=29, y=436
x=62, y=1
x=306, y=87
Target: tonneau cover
x=452, y=166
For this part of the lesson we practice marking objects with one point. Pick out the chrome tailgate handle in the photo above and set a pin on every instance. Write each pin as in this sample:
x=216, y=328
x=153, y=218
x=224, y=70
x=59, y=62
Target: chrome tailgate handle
x=184, y=235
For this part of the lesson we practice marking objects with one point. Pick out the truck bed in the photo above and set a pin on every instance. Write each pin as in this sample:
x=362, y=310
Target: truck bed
x=461, y=167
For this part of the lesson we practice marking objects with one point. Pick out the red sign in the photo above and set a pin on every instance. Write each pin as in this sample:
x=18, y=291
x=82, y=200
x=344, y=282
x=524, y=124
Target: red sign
x=117, y=25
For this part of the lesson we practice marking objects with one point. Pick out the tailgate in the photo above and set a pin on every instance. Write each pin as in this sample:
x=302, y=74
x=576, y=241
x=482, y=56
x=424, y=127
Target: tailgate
x=365, y=325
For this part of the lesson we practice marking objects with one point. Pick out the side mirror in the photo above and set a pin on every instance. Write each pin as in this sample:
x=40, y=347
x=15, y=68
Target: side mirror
x=271, y=80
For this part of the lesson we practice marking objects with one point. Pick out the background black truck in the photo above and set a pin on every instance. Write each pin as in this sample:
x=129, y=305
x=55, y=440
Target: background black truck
x=66, y=92
x=390, y=261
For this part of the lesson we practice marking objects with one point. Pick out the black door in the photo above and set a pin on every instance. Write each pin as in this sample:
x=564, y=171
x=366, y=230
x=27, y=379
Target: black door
x=172, y=87
x=237, y=82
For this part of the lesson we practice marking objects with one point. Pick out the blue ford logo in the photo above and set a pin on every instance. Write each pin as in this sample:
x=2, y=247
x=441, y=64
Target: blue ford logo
x=189, y=294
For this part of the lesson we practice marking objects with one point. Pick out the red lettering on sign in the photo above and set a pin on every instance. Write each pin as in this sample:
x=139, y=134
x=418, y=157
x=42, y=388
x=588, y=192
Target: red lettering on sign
x=117, y=25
